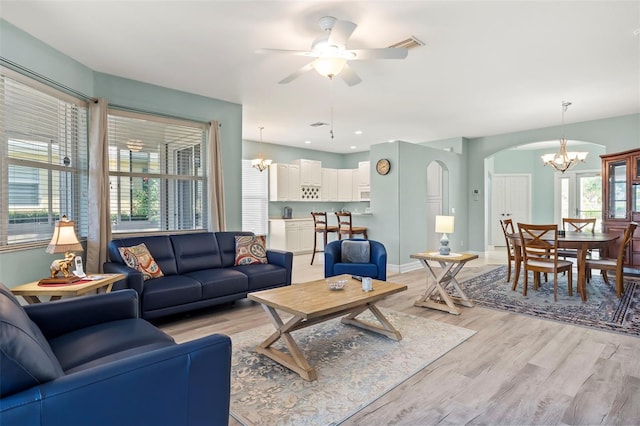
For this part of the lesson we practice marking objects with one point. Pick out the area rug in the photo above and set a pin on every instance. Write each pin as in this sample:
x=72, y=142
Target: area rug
x=355, y=367
x=602, y=310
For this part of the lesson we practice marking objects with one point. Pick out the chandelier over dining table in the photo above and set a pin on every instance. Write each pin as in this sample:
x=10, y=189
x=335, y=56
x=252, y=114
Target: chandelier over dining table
x=563, y=160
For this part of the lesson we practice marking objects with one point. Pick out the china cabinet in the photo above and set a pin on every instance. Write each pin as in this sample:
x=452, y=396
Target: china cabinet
x=621, y=198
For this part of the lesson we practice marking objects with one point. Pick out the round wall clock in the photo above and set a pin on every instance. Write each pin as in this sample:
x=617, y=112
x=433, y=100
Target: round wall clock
x=383, y=166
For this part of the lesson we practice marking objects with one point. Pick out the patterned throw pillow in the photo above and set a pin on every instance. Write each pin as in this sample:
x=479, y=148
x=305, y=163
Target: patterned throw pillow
x=138, y=257
x=250, y=249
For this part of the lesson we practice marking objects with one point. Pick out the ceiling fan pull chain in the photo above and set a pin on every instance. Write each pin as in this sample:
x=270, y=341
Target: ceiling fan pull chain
x=331, y=96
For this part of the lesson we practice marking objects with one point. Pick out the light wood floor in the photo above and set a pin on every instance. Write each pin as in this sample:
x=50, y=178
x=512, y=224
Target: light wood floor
x=515, y=370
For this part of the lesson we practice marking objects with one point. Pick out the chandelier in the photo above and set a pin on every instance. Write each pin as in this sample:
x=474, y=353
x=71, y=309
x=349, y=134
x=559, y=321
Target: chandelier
x=563, y=160
x=260, y=163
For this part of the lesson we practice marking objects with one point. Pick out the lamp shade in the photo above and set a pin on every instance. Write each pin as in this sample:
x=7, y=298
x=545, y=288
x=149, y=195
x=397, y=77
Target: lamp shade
x=64, y=237
x=444, y=224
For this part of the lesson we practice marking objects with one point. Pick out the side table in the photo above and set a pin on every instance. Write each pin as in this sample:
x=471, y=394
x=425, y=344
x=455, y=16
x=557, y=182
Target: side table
x=436, y=296
x=33, y=292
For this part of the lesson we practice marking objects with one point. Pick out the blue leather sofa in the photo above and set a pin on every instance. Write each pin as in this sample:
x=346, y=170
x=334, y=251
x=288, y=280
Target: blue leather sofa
x=198, y=272
x=375, y=268
x=92, y=361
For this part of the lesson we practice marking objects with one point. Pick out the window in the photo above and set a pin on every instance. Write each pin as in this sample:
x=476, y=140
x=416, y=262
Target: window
x=255, y=204
x=156, y=173
x=43, y=161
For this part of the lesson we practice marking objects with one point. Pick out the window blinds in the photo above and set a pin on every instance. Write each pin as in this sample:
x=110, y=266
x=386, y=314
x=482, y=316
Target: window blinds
x=255, y=205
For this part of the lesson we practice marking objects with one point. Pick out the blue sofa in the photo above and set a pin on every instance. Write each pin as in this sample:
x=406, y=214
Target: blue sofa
x=92, y=361
x=198, y=272
x=375, y=268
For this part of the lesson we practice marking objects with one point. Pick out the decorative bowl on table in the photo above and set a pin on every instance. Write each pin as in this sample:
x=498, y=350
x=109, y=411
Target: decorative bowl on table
x=336, y=284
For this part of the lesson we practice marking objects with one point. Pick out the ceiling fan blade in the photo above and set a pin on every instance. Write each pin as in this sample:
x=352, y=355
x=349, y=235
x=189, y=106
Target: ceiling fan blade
x=288, y=52
x=349, y=76
x=381, y=53
x=341, y=32
x=297, y=73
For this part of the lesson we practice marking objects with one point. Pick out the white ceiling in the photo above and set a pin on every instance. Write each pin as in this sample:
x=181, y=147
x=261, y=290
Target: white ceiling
x=486, y=67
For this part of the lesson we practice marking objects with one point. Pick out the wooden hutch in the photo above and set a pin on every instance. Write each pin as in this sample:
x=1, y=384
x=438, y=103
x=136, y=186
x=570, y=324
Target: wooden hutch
x=621, y=199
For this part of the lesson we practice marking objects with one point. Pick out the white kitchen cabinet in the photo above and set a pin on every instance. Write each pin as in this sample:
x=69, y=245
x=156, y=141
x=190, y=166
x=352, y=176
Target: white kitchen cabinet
x=284, y=182
x=310, y=172
x=345, y=184
x=355, y=185
x=329, y=188
x=294, y=235
x=364, y=173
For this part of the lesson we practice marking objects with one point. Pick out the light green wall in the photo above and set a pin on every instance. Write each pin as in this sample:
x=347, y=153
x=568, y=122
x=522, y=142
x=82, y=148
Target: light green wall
x=19, y=48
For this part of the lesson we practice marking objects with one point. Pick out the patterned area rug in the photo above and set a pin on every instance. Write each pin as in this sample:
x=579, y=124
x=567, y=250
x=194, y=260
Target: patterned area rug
x=602, y=310
x=354, y=366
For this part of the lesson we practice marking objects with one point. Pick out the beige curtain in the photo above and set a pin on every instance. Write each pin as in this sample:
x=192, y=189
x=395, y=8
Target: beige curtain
x=215, y=183
x=99, y=233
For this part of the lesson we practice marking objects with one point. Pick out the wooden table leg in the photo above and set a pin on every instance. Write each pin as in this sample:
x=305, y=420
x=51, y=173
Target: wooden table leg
x=426, y=300
x=517, y=254
x=387, y=328
x=581, y=256
x=296, y=360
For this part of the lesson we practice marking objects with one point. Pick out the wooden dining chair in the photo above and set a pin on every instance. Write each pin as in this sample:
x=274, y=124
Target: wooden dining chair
x=321, y=227
x=617, y=264
x=540, y=254
x=507, y=228
x=579, y=224
x=345, y=226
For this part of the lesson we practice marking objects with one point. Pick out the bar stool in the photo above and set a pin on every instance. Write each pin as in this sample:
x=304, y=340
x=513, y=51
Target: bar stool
x=320, y=226
x=345, y=227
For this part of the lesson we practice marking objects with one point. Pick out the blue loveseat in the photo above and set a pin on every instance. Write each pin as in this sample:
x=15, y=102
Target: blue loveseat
x=198, y=271
x=92, y=361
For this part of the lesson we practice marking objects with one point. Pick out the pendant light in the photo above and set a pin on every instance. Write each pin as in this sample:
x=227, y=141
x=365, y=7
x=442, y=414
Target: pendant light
x=563, y=160
x=261, y=163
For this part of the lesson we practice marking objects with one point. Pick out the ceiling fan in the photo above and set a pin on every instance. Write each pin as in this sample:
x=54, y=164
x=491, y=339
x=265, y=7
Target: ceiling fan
x=332, y=54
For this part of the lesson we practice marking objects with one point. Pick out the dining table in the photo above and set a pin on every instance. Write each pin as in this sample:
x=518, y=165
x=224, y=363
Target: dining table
x=582, y=242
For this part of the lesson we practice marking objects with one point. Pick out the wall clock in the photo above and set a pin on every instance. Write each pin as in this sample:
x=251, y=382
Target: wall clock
x=383, y=166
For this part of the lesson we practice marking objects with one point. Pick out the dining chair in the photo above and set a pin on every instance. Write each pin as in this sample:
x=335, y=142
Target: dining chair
x=540, y=254
x=320, y=226
x=507, y=228
x=345, y=226
x=575, y=224
x=617, y=264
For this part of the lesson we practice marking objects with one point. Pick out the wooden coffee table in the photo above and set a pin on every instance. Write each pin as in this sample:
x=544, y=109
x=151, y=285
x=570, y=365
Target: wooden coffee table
x=312, y=303
x=32, y=292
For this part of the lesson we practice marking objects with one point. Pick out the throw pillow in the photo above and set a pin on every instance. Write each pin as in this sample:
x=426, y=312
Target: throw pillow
x=355, y=251
x=138, y=257
x=250, y=249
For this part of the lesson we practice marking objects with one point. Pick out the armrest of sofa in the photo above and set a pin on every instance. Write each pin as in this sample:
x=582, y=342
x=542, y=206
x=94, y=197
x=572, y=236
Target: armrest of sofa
x=134, y=278
x=332, y=255
x=379, y=257
x=185, y=384
x=56, y=318
x=281, y=258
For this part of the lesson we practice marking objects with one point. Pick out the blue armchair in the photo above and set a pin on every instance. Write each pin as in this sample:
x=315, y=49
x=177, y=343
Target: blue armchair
x=91, y=360
x=335, y=264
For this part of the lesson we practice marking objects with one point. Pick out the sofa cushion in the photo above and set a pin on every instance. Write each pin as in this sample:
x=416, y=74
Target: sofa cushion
x=227, y=245
x=139, y=258
x=263, y=276
x=89, y=344
x=170, y=291
x=250, y=249
x=220, y=282
x=355, y=251
x=362, y=269
x=26, y=358
x=159, y=246
x=196, y=251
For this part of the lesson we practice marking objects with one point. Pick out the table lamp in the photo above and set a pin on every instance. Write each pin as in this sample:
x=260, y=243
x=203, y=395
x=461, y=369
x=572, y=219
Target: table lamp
x=64, y=240
x=444, y=224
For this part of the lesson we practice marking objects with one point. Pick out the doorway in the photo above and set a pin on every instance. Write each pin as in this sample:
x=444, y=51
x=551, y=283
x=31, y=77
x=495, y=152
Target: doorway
x=510, y=199
x=437, y=198
x=579, y=194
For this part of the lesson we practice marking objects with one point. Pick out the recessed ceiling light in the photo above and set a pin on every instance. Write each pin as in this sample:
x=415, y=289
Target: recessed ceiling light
x=358, y=132
x=307, y=142
x=352, y=147
x=391, y=140
x=637, y=32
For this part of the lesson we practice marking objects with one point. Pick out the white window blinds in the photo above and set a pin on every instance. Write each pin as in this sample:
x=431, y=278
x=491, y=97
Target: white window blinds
x=255, y=204
x=156, y=173
x=43, y=161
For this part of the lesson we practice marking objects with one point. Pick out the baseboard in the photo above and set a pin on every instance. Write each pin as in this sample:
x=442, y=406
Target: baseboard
x=405, y=267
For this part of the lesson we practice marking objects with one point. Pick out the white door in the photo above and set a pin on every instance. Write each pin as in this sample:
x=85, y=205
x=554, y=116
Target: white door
x=510, y=199
x=435, y=200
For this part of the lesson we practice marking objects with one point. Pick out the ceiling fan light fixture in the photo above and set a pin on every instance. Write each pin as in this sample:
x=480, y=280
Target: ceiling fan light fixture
x=329, y=67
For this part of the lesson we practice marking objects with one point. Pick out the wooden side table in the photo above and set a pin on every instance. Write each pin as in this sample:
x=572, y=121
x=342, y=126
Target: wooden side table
x=33, y=292
x=436, y=296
